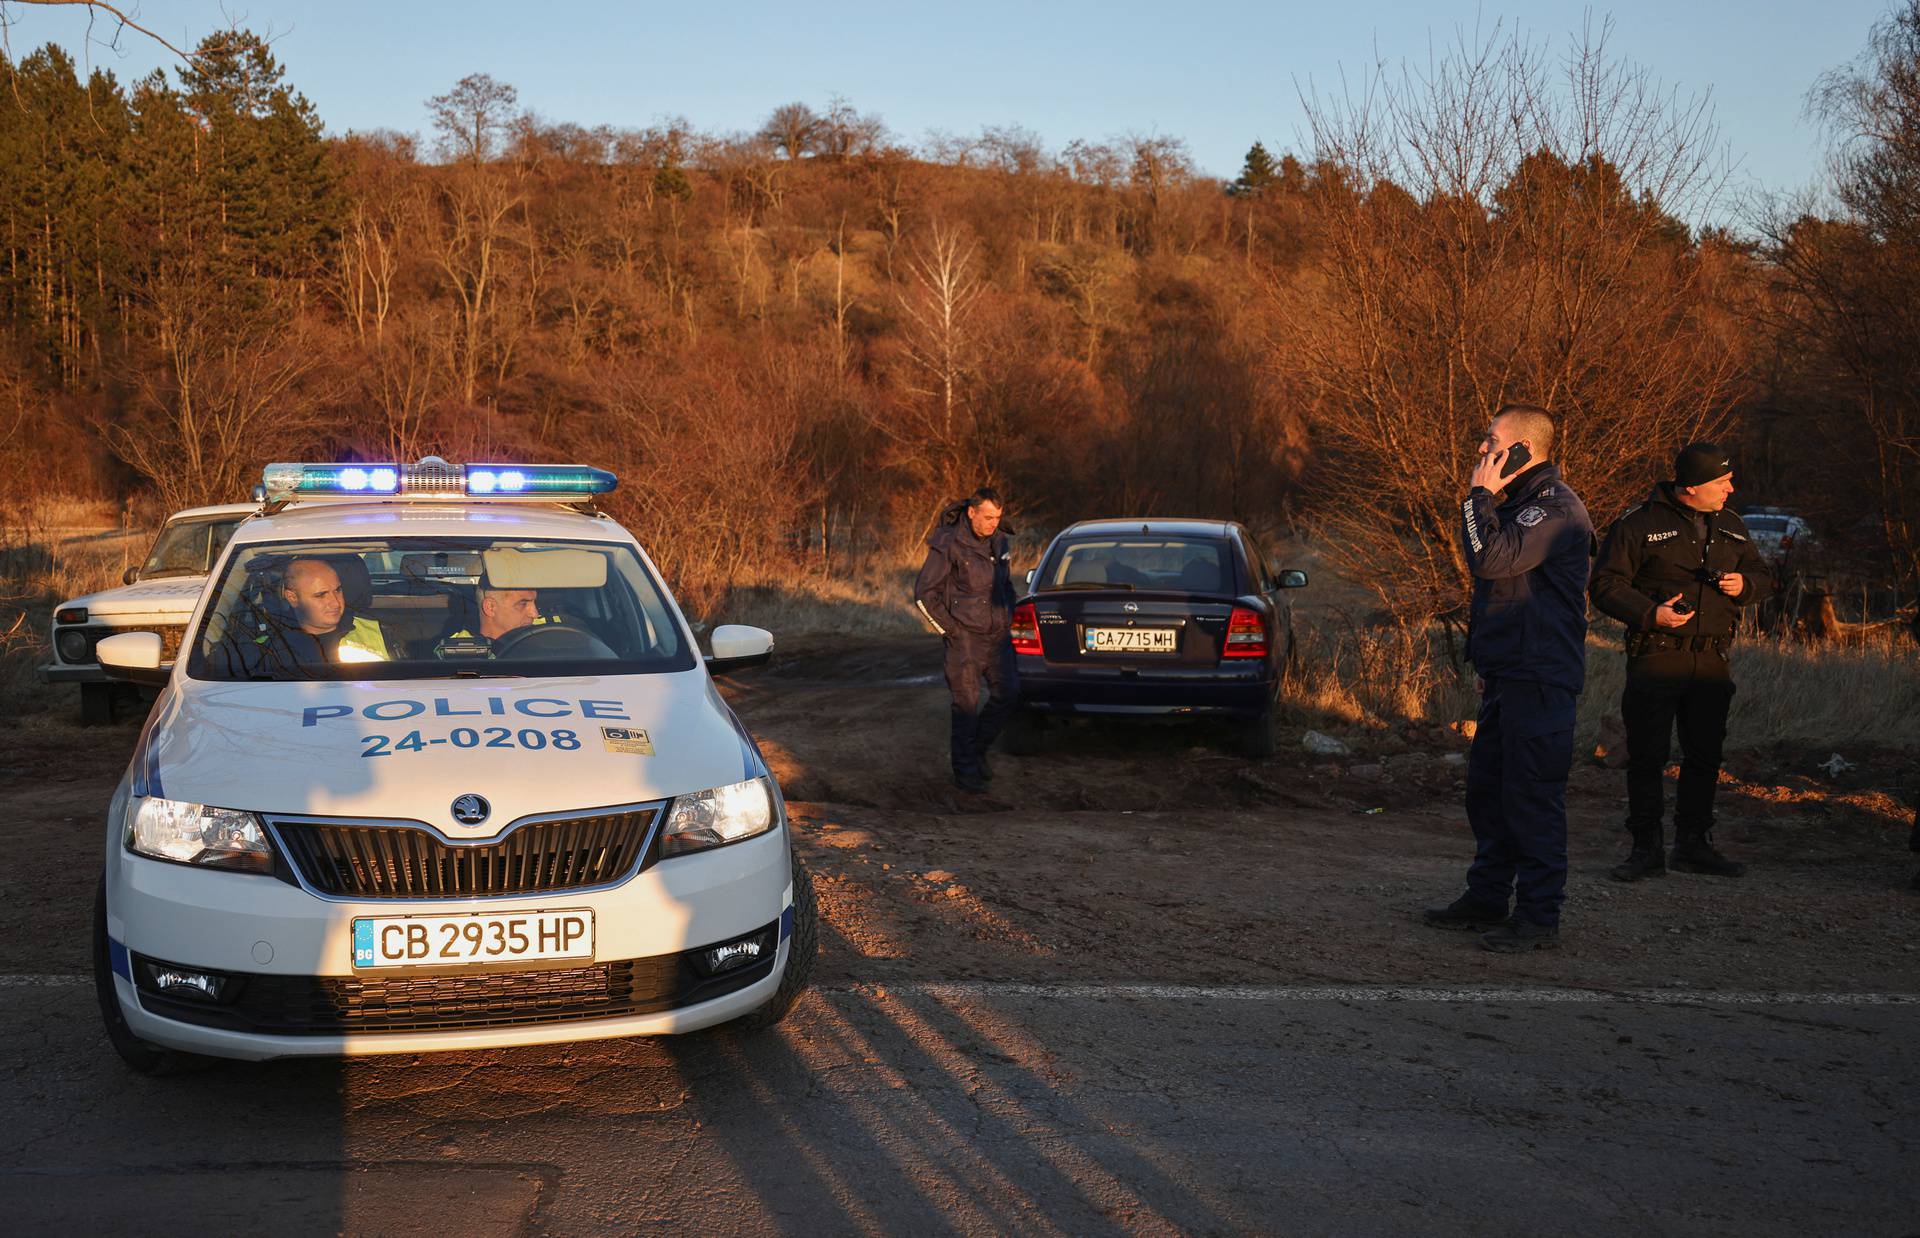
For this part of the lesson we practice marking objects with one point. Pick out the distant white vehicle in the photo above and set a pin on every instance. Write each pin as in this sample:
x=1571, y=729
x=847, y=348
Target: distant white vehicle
x=1777, y=531
x=158, y=596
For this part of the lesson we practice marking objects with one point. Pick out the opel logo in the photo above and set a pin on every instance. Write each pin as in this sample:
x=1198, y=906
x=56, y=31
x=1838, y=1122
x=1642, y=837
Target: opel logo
x=1131, y=607
x=471, y=809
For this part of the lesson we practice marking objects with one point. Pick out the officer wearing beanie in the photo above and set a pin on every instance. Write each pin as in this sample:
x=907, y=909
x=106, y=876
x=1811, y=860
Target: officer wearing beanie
x=1678, y=570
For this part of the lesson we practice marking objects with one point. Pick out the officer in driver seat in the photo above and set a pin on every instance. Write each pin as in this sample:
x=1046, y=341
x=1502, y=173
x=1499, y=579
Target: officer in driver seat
x=501, y=611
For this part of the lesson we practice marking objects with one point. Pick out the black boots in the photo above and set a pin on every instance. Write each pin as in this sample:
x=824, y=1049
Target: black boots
x=1465, y=914
x=1694, y=853
x=1518, y=935
x=1644, y=860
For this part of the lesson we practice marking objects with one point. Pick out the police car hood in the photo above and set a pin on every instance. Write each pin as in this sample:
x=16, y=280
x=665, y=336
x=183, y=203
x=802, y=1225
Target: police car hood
x=406, y=750
x=169, y=595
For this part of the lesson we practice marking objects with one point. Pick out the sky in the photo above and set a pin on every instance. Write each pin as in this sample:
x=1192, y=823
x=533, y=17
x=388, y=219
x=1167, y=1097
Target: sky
x=1218, y=75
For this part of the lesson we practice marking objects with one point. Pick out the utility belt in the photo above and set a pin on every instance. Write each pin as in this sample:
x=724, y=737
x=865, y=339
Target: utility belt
x=1639, y=643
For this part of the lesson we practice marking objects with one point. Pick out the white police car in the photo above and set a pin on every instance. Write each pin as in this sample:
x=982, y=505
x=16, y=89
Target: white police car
x=440, y=766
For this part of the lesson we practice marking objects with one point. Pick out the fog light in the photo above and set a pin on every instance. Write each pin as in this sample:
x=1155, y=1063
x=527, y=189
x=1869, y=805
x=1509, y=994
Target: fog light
x=743, y=952
x=184, y=982
x=73, y=647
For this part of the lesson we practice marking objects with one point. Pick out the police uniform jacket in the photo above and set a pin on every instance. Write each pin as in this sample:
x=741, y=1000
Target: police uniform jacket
x=1529, y=555
x=1657, y=550
x=966, y=585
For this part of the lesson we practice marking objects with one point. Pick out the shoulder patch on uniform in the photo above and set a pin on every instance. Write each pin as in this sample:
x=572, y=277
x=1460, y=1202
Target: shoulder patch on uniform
x=1661, y=537
x=1530, y=516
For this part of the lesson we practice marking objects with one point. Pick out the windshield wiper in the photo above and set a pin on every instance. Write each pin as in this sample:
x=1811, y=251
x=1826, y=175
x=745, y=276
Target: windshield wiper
x=471, y=674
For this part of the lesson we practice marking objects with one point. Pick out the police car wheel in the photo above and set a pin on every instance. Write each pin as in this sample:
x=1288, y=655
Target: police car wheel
x=142, y=1057
x=1025, y=734
x=802, y=946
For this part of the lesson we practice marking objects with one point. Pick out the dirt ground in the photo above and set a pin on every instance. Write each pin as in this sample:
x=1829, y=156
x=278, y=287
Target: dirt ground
x=1152, y=853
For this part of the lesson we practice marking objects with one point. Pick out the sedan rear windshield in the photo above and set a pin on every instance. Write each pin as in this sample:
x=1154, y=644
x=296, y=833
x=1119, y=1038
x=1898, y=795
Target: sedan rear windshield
x=1180, y=564
x=436, y=608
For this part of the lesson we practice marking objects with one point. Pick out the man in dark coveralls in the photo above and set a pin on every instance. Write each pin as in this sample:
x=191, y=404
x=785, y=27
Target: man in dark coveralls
x=1529, y=544
x=1678, y=570
x=965, y=591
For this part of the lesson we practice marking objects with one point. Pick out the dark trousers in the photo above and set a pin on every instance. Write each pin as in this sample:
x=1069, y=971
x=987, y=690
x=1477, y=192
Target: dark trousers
x=972, y=658
x=1671, y=689
x=1517, y=798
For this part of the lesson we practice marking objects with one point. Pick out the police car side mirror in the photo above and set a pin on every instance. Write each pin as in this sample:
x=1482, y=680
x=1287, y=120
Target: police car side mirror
x=737, y=647
x=130, y=575
x=133, y=657
x=1293, y=578
x=1031, y=573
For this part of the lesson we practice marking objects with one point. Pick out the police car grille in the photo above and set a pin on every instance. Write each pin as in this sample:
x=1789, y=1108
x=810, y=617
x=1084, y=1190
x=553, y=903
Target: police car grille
x=386, y=861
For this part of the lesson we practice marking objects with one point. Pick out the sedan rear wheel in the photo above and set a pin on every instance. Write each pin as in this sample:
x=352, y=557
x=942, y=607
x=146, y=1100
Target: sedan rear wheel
x=1257, y=739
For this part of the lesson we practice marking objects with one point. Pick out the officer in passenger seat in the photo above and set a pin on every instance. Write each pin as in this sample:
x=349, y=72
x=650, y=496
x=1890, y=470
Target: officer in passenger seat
x=313, y=593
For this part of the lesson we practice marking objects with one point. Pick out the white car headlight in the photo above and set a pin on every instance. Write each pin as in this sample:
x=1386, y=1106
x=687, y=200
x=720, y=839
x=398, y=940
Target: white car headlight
x=197, y=834
x=713, y=818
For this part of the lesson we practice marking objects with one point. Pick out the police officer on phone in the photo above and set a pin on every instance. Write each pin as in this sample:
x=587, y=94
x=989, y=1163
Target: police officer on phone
x=1678, y=570
x=1527, y=540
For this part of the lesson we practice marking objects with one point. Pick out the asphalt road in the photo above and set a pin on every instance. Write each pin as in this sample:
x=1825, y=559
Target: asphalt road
x=1003, y=1107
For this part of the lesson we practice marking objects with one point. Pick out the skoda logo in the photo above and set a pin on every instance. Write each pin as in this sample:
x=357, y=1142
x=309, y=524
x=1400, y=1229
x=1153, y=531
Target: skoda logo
x=1131, y=607
x=471, y=809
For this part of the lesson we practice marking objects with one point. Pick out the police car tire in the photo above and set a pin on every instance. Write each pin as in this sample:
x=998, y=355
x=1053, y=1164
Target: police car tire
x=142, y=1057
x=802, y=947
x=1025, y=734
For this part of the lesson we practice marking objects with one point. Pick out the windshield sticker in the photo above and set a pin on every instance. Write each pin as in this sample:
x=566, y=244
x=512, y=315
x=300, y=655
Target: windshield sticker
x=626, y=739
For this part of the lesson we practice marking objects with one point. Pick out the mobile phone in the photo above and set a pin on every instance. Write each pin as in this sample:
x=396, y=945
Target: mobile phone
x=1518, y=457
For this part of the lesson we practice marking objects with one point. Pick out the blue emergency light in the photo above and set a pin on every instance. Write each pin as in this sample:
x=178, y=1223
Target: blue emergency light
x=432, y=478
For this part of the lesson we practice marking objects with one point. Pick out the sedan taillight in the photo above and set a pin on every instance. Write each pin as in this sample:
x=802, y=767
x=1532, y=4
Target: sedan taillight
x=1246, y=634
x=1026, y=629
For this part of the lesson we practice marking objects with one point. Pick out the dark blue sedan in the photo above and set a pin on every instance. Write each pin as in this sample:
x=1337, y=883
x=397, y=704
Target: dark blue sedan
x=1153, y=618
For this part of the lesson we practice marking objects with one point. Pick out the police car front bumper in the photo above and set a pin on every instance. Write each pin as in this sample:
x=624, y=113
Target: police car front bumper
x=252, y=927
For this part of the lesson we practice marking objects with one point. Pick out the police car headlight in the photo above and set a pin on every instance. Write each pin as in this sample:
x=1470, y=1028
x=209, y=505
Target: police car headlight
x=197, y=834
x=713, y=818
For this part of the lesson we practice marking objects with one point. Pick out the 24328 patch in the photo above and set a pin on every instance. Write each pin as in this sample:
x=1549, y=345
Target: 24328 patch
x=1530, y=516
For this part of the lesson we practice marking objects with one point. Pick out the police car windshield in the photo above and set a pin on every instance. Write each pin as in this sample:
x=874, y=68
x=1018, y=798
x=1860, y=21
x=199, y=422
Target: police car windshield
x=1179, y=564
x=436, y=608
x=188, y=548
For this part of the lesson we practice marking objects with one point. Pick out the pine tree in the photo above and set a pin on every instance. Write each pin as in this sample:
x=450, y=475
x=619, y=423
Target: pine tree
x=1259, y=173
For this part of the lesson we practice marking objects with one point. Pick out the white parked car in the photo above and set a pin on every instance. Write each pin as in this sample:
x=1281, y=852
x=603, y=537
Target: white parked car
x=1777, y=532
x=155, y=597
x=440, y=766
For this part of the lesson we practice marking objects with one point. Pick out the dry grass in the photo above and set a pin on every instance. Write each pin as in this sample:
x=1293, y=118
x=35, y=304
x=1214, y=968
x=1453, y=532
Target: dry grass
x=37, y=573
x=1789, y=692
x=872, y=598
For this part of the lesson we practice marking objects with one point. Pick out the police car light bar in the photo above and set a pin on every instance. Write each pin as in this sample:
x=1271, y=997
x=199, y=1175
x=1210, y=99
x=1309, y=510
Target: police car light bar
x=434, y=478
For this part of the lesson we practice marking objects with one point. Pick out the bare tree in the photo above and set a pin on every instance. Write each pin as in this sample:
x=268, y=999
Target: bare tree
x=938, y=300
x=1506, y=234
x=791, y=129
x=474, y=117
